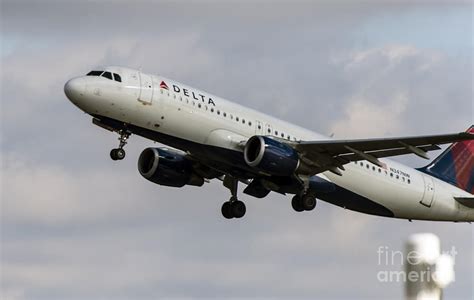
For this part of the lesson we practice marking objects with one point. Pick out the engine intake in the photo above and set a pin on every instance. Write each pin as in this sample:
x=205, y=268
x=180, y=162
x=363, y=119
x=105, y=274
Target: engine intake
x=167, y=167
x=271, y=156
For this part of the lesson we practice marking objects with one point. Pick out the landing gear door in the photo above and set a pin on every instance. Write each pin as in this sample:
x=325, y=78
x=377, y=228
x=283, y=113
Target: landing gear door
x=428, y=194
x=146, y=88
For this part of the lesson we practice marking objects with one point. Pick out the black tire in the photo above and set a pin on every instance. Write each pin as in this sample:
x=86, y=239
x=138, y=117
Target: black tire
x=308, y=202
x=297, y=204
x=120, y=153
x=113, y=154
x=227, y=210
x=238, y=209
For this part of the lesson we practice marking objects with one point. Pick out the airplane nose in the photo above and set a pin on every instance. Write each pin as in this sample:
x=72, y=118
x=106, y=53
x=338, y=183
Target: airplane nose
x=75, y=88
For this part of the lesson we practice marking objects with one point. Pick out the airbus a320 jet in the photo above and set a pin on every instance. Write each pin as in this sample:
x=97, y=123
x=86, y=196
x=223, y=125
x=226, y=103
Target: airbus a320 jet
x=212, y=138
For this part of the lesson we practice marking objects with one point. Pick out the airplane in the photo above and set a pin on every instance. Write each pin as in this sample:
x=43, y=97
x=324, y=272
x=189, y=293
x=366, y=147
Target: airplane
x=208, y=137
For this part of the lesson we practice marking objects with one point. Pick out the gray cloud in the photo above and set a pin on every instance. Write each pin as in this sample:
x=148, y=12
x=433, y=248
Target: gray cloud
x=76, y=225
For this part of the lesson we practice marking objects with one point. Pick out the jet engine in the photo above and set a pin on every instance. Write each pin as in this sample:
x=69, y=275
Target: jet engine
x=167, y=167
x=271, y=156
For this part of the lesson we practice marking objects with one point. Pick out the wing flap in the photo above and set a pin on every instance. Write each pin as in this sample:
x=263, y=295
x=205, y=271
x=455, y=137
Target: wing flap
x=339, y=146
x=333, y=154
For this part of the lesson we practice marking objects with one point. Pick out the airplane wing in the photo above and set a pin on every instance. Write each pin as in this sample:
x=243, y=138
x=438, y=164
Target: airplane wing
x=333, y=154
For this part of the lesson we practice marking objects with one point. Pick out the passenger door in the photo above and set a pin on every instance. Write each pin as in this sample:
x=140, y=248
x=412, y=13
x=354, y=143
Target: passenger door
x=428, y=194
x=146, y=88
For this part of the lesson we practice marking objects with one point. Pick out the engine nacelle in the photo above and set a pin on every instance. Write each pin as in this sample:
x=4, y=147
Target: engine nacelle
x=167, y=167
x=271, y=156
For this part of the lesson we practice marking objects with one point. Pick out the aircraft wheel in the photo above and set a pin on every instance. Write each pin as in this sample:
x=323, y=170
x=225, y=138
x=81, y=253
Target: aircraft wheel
x=227, y=210
x=297, y=204
x=117, y=154
x=308, y=202
x=120, y=153
x=113, y=154
x=238, y=209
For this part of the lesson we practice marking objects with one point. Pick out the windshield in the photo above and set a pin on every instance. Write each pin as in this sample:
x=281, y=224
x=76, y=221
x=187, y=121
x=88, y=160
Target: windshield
x=108, y=75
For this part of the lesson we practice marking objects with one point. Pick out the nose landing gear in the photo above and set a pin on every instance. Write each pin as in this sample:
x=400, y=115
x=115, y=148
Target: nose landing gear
x=119, y=153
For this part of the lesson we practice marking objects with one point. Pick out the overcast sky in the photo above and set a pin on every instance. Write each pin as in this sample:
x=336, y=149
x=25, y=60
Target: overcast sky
x=76, y=225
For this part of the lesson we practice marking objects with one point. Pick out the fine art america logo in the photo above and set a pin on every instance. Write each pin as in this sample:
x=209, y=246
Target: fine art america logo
x=391, y=261
x=186, y=92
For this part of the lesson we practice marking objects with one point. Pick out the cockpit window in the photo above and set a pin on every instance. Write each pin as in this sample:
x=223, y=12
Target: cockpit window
x=94, y=73
x=117, y=77
x=107, y=75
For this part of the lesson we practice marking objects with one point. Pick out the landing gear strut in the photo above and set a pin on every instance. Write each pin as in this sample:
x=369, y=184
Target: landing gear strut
x=233, y=208
x=119, y=153
x=303, y=202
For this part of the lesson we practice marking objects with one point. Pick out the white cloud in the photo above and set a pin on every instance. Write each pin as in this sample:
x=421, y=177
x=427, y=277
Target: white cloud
x=366, y=118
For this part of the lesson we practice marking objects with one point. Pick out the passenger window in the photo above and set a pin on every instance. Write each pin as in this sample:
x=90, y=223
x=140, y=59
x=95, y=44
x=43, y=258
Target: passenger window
x=199, y=105
x=243, y=121
x=237, y=119
x=107, y=75
x=276, y=132
x=212, y=109
x=225, y=114
x=259, y=127
x=282, y=135
x=288, y=137
x=408, y=181
x=94, y=73
x=269, y=131
x=250, y=123
x=117, y=77
x=218, y=112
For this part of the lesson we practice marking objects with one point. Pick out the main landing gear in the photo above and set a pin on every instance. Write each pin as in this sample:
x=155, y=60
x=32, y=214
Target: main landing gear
x=233, y=208
x=303, y=202
x=119, y=153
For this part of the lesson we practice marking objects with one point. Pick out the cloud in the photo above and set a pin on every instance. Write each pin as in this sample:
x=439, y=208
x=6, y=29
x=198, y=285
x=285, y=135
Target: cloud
x=385, y=99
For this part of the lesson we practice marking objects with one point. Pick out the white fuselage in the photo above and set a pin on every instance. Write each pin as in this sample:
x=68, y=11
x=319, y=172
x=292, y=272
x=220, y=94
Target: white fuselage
x=180, y=111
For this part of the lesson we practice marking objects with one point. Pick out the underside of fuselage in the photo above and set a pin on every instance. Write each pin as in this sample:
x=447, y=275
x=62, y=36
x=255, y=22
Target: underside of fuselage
x=227, y=161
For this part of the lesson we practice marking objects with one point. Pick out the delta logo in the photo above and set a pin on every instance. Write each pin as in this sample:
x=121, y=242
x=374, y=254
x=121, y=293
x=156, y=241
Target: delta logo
x=163, y=85
x=188, y=93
